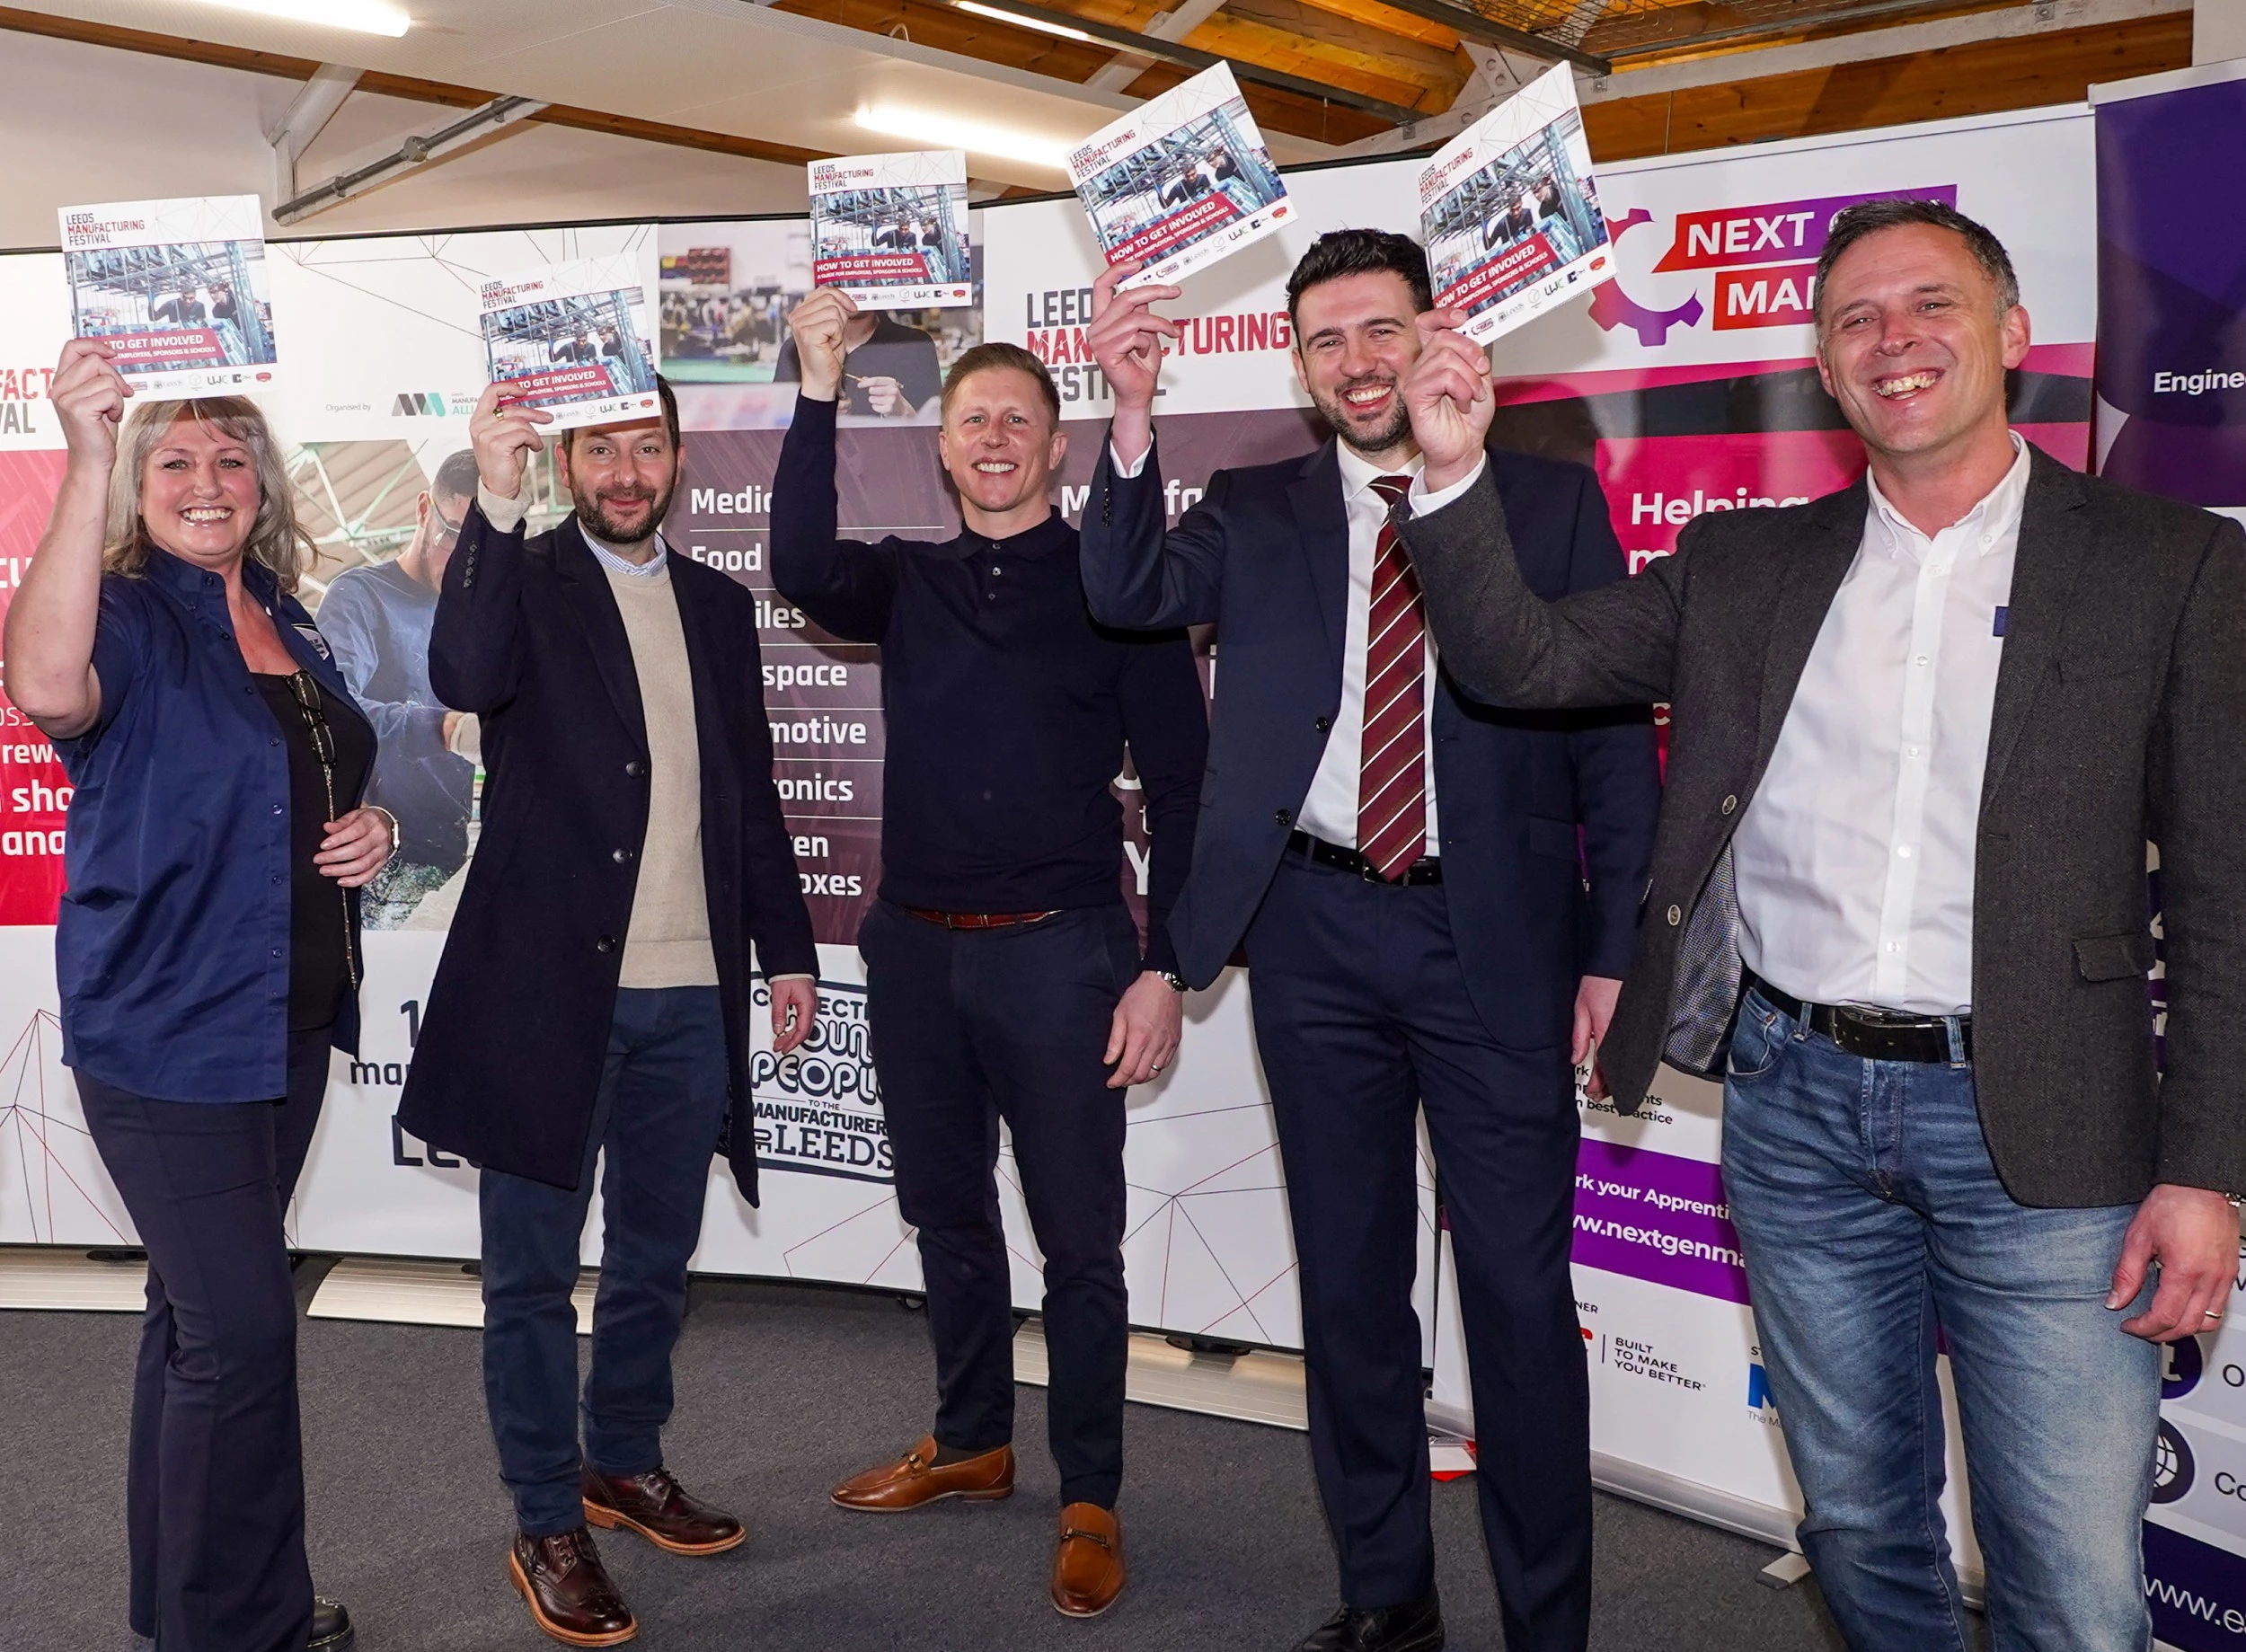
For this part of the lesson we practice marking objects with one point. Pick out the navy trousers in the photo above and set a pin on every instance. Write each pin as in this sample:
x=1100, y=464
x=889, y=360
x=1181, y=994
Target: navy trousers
x=1362, y=1022
x=664, y=1094
x=215, y=1493
x=968, y=1027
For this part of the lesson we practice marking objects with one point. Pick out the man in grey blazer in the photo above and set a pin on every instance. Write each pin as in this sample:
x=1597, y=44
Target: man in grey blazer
x=1922, y=729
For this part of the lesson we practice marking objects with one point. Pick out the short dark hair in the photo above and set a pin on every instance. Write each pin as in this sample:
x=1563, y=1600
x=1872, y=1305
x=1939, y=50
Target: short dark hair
x=455, y=478
x=1361, y=252
x=1013, y=355
x=671, y=415
x=1851, y=225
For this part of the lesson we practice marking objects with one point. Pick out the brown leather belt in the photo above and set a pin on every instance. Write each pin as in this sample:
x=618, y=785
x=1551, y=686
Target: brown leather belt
x=1876, y=1035
x=981, y=920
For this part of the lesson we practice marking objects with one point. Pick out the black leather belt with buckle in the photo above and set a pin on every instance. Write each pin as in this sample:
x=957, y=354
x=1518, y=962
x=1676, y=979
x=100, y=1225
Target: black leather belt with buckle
x=1876, y=1035
x=1428, y=869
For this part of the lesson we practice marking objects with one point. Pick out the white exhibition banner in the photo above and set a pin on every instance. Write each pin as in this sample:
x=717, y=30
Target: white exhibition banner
x=1688, y=382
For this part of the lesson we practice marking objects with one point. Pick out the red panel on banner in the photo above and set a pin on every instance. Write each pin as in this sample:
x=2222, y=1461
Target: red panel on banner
x=33, y=792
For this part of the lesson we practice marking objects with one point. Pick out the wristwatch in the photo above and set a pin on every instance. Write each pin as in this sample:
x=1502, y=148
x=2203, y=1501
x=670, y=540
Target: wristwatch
x=1176, y=981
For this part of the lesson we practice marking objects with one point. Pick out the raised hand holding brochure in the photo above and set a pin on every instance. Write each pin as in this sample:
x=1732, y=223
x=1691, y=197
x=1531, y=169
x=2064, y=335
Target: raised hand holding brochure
x=1508, y=215
x=178, y=289
x=1182, y=180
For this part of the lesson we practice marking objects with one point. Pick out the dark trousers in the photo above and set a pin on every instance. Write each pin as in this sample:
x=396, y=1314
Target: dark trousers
x=215, y=1495
x=970, y=1027
x=1362, y=1022
x=661, y=1105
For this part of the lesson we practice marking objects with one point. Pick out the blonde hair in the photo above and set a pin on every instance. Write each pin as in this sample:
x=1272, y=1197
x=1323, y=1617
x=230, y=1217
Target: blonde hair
x=276, y=542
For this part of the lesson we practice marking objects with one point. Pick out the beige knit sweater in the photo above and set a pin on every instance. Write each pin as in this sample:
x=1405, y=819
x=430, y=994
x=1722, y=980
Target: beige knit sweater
x=668, y=943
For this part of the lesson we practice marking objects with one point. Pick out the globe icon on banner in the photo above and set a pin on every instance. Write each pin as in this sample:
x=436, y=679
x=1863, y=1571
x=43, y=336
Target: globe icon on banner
x=2172, y=1467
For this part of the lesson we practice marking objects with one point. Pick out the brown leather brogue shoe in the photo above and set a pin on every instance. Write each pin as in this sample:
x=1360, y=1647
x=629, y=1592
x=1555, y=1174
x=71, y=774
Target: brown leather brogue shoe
x=1087, y=1560
x=656, y=1507
x=568, y=1591
x=914, y=1478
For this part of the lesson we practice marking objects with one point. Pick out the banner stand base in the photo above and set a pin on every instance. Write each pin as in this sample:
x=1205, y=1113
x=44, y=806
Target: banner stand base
x=402, y=1292
x=59, y=1279
x=1255, y=1387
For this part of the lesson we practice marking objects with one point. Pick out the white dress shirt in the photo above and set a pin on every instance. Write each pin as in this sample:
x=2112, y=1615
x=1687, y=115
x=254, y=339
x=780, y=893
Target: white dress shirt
x=1328, y=809
x=1854, y=860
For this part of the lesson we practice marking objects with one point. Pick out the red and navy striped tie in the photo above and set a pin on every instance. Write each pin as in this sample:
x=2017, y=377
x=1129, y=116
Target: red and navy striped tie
x=1392, y=795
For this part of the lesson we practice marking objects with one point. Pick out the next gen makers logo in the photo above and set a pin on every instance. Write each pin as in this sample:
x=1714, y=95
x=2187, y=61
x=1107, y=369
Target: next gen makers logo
x=1763, y=259
x=819, y=1107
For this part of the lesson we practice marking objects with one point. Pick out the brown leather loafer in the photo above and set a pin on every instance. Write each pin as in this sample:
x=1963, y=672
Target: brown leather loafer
x=568, y=1591
x=1088, y=1561
x=914, y=1480
x=656, y=1507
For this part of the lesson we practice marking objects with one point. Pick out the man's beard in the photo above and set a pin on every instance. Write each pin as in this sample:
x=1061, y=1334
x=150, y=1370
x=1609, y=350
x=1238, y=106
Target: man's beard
x=596, y=520
x=1395, y=428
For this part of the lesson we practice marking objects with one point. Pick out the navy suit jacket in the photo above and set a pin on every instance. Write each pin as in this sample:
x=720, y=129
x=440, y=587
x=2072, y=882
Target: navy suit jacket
x=1264, y=555
x=528, y=638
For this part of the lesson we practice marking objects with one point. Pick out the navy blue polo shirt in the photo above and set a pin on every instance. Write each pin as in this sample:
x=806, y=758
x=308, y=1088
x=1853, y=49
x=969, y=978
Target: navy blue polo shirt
x=172, y=949
x=1008, y=708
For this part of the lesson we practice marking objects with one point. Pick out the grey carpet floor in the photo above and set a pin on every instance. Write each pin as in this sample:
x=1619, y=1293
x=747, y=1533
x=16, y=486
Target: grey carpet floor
x=782, y=1391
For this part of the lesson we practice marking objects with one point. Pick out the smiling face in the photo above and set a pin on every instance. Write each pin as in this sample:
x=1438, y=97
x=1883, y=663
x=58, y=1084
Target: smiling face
x=622, y=477
x=198, y=493
x=1913, y=345
x=1353, y=344
x=1000, y=448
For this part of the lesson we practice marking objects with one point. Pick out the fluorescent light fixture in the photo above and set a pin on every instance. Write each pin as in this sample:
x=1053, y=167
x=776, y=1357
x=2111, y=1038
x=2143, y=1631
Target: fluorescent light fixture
x=943, y=132
x=366, y=16
x=1039, y=24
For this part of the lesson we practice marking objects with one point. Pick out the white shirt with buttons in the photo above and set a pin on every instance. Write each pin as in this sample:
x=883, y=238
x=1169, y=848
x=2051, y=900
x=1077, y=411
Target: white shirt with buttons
x=1855, y=859
x=1329, y=808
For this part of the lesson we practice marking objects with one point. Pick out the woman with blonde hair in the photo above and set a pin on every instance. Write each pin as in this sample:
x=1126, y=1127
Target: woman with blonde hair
x=206, y=952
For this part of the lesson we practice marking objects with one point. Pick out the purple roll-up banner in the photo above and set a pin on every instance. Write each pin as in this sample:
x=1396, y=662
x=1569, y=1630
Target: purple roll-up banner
x=2172, y=284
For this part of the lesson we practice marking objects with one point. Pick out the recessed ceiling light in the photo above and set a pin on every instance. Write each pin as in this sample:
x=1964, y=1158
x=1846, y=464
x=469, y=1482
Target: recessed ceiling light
x=366, y=16
x=943, y=132
x=1019, y=21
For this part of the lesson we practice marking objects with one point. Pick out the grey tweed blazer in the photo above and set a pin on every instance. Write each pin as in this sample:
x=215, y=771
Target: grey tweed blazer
x=2120, y=716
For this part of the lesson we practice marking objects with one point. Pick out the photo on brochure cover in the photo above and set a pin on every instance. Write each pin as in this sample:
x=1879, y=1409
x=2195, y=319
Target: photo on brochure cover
x=891, y=230
x=179, y=289
x=1180, y=181
x=571, y=339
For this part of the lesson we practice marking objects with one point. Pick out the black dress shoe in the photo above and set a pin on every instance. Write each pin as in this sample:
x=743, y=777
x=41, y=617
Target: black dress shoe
x=332, y=1630
x=1414, y=1628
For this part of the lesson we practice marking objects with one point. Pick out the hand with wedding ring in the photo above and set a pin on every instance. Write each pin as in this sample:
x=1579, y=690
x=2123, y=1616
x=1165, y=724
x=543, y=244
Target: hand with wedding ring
x=2192, y=1235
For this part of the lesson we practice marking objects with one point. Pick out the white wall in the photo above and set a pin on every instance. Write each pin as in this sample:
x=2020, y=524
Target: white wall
x=83, y=124
x=2218, y=31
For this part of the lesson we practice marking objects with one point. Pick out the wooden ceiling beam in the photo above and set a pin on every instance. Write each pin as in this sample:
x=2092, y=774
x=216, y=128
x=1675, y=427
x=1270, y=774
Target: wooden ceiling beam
x=1983, y=78
x=930, y=23
x=218, y=55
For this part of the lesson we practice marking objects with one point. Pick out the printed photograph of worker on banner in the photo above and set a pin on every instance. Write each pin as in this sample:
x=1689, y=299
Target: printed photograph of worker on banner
x=1509, y=213
x=726, y=291
x=1181, y=181
x=890, y=230
x=572, y=339
x=178, y=288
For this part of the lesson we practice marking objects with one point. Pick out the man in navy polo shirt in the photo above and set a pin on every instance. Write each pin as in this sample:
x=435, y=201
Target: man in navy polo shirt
x=1003, y=975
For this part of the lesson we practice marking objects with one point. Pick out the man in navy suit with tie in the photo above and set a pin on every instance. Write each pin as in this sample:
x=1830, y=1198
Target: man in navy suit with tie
x=1436, y=900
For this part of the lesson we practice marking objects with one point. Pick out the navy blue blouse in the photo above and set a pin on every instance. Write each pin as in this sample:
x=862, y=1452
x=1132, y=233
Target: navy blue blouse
x=172, y=949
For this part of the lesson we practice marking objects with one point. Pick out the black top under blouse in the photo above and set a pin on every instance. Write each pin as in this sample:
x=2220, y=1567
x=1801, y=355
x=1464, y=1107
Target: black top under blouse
x=320, y=944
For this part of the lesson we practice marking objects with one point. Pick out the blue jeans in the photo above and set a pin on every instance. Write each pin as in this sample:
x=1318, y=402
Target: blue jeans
x=1871, y=1216
x=662, y=1101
